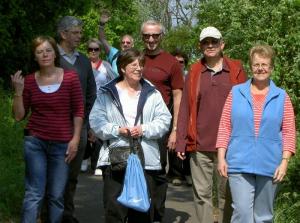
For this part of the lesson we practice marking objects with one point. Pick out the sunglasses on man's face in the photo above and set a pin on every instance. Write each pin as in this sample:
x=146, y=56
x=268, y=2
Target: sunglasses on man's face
x=147, y=36
x=127, y=42
x=207, y=42
x=90, y=49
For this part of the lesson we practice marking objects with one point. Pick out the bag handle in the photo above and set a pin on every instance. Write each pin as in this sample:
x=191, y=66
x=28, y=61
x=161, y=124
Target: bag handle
x=131, y=145
x=131, y=141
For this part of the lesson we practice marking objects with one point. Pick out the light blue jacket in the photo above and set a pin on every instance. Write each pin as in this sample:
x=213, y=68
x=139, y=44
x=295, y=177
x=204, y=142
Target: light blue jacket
x=106, y=117
x=248, y=153
x=112, y=57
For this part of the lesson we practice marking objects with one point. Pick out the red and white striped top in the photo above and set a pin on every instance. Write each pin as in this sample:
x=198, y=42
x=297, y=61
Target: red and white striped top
x=288, y=123
x=51, y=114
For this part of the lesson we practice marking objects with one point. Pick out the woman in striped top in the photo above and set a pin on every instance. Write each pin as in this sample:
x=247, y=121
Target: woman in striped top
x=256, y=139
x=53, y=98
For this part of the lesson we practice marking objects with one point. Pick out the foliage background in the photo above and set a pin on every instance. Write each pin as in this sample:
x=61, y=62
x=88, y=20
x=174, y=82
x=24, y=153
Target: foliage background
x=245, y=23
x=242, y=23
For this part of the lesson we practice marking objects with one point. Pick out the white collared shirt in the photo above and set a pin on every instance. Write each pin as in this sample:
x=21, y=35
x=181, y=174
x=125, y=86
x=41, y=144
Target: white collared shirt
x=71, y=58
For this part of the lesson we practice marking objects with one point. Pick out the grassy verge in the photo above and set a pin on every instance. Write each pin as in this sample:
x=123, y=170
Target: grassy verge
x=11, y=163
x=288, y=200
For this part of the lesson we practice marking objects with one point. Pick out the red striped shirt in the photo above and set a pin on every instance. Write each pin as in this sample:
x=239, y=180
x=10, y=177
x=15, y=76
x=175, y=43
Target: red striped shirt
x=52, y=114
x=288, y=122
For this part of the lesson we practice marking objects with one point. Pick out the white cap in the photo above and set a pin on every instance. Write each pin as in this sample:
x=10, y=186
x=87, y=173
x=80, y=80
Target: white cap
x=210, y=32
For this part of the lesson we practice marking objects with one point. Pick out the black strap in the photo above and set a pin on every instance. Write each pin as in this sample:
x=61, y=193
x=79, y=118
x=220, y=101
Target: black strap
x=131, y=143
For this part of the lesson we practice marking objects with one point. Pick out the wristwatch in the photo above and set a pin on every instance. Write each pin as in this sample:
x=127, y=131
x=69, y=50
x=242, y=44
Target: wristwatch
x=286, y=158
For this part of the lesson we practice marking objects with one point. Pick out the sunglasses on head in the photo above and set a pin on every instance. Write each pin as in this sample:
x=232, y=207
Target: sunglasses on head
x=90, y=49
x=153, y=35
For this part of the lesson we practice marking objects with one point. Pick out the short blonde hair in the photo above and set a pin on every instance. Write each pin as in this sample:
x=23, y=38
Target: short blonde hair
x=129, y=37
x=264, y=51
x=93, y=40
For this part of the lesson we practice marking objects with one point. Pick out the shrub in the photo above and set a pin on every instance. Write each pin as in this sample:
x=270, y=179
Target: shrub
x=11, y=162
x=288, y=199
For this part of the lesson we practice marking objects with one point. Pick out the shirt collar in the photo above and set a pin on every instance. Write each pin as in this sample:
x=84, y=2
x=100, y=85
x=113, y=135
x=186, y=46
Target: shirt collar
x=225, y=66
x=63, y=53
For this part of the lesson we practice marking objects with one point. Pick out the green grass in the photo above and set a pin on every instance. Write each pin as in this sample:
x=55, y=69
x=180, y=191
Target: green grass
x=11, y=162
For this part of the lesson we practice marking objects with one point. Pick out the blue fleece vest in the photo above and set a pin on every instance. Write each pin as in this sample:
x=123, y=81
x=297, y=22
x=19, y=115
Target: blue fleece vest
x=246, y=152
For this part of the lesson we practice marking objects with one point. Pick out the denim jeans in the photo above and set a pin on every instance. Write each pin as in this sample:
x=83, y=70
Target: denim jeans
x=73, y=175
x=253, y=198
x=45, y=166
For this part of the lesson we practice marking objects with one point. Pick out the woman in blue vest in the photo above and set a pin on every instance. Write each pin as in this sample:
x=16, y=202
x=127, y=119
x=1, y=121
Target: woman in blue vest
x=256, y=140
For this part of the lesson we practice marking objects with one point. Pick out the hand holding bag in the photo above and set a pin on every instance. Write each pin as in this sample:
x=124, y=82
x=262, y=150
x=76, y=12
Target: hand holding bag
x=118, y=156
x=135, y=192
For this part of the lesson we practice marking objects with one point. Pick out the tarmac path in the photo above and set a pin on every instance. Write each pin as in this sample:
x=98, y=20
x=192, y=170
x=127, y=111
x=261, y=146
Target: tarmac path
x=89, y=207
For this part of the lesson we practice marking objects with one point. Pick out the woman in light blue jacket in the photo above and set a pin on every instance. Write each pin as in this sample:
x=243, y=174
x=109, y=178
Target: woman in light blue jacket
x=130, y=103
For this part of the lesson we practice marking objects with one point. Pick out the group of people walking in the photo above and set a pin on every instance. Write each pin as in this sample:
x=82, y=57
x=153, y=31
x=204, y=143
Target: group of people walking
x=242, y=129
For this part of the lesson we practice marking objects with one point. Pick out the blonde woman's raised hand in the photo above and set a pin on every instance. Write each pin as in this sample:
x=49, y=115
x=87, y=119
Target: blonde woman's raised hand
x=18, y=82
x=105, y=16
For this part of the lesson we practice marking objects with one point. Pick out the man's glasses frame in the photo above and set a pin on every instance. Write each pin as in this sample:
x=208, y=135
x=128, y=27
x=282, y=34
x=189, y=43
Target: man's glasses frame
x=146, y=36
x=207, y=42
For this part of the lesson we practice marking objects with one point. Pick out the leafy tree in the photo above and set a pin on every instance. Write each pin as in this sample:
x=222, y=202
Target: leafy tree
x=22, y=20
x=244, y=23
x=184, y=12
x=156, y=10
x=184, y=38
x=124, y=19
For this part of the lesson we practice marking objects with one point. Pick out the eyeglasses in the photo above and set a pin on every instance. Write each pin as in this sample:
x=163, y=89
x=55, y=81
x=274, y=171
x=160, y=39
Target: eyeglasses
x=147, y=36
x=207, y=42
x=263, y=66
x=74, y=32
x=127, y=42
x=135, y=66
x=90, y=49
x=181, y=61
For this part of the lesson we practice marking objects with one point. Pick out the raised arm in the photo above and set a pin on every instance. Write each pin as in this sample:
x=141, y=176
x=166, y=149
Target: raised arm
x=103, y=20
x=18, y=106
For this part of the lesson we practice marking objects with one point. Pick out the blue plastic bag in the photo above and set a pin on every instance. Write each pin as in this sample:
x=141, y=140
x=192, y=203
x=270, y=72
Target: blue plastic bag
x=135, y=193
